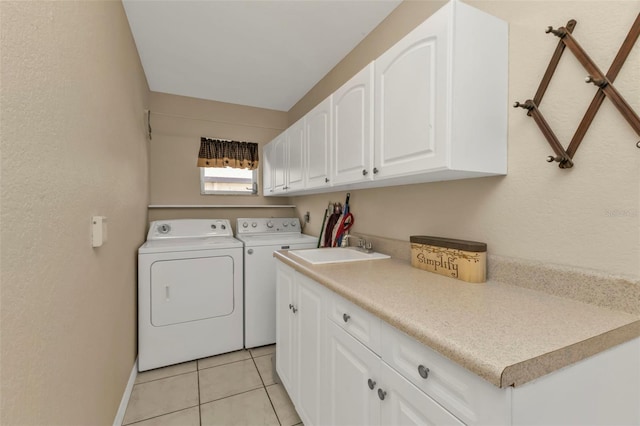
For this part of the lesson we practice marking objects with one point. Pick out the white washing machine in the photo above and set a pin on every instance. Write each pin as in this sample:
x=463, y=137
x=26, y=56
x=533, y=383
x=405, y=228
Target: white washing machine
x=261, y=237
x=190, y=301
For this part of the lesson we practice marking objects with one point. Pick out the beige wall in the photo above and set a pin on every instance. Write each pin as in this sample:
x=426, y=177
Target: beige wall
x=587, y=216
x=73, y=146
x=178, y=122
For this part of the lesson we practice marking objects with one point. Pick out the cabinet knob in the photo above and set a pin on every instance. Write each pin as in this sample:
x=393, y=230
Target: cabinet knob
x=290, y=306
x=375, y=170
x=346, y=317
x=294, y=309
x=364, y=172
x=423, y=371
x=326, y=180
x=381, y=394
x=371, y=384
x=250, y=251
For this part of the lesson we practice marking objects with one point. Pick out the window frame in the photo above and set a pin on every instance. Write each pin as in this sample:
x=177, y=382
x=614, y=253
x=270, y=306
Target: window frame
x=203, y=191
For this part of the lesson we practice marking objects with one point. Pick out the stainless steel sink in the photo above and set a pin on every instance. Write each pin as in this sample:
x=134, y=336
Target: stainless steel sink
x=335, y=255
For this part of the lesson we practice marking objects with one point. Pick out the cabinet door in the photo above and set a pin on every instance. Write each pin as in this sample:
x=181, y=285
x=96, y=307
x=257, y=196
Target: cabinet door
x=279, y=161
x=405, y=404
x=318, y=133
x=352, y=154
x=285, y=327
x=295, y=156
x=309, y=343
x=267, y=170
x=411, y=81
x=349, y=400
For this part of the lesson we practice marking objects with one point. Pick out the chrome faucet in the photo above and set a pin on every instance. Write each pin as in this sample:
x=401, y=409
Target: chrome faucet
x=363, y=245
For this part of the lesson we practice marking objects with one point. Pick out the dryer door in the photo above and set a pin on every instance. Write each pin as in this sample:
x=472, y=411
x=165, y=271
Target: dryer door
x=191, y=289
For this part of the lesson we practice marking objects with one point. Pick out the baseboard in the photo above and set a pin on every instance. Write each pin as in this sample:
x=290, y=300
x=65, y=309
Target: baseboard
x=127, y=394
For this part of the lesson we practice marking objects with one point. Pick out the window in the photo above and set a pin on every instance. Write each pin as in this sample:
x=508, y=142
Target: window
x=226, y=180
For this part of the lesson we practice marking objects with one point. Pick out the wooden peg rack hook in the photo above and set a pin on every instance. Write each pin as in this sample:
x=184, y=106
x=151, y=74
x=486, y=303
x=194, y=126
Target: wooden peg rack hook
x=604, y=83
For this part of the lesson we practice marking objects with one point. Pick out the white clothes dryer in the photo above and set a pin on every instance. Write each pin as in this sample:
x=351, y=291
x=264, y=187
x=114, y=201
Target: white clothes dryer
x=190, y=296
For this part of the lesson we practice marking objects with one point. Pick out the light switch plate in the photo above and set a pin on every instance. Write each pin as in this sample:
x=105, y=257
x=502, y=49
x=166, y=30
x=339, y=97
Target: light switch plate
x=98, y=230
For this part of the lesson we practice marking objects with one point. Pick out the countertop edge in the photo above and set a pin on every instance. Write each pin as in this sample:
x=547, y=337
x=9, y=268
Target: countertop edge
x=511, y=375
x=534, y=368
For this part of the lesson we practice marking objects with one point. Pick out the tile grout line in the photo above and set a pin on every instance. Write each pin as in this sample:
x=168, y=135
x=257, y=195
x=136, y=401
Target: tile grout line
x=273, y=407
x=230, y=396
x=166, y=377
x=224, y=363
x=160, y=415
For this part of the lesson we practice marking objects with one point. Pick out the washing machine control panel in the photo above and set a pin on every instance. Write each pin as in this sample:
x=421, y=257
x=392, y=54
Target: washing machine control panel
x=189, y=228
x=271, y=225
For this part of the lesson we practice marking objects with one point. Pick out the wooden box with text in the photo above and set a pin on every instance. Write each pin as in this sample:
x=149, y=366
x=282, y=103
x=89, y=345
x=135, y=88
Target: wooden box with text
x=460, y=259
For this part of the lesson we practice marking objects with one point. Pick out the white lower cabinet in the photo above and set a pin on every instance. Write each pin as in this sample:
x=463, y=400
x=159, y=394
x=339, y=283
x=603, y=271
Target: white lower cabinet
x=364, y=390
x=330, y=375
x=472, y=399
x=342, y=365
x=352, y=371
x=401, y=403
x=285, y=326
x=300, y=339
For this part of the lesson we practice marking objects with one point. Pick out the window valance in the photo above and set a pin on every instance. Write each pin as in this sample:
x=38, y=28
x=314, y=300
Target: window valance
x=225, y=153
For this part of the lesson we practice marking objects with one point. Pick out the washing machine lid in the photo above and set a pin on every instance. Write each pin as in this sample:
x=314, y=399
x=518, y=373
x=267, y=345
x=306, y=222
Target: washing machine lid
x=279, y=239
x=188, y=244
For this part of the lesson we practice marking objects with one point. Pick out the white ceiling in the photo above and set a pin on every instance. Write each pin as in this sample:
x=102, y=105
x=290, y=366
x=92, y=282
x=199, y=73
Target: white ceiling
x=266, y=54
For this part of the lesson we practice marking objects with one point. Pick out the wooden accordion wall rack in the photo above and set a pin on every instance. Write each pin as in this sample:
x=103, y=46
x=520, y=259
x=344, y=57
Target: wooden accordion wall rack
x=604, y=83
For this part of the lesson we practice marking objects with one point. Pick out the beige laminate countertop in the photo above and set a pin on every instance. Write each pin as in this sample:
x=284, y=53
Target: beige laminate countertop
x=506, y=334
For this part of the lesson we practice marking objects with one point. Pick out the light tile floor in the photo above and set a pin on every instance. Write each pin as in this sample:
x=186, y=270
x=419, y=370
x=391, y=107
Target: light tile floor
x=237, y=388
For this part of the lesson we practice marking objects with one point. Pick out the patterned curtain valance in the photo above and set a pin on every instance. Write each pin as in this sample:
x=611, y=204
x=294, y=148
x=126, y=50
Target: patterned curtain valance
x=223, y=153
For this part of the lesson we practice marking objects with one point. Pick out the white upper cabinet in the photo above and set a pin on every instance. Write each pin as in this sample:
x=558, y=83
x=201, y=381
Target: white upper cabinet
x=432, y=107
x=352, y=155
x=410, y=97
x=279, y=153
x=296, y=156
x=285, y=166
x=441, y=99
x=267, y=169
x=318, y=144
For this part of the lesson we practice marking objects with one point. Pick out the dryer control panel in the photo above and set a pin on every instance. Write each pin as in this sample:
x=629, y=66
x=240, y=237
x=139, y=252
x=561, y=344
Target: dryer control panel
x=268, y=225
x=189, y=228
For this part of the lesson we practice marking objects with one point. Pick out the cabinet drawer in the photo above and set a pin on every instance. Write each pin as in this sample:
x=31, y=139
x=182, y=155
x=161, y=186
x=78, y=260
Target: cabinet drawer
x=356, y=321
x=466, y=395
x=404, y=404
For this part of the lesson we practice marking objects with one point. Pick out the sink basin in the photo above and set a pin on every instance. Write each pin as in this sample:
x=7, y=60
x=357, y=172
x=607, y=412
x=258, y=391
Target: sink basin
x=335, y=255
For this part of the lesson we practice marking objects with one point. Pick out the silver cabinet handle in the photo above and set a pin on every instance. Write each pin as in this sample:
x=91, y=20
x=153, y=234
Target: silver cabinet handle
x=423, y=371
x=371, y=384
x=250, y=251
x=346, y=317
x=364, y=172
x=381, y=394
